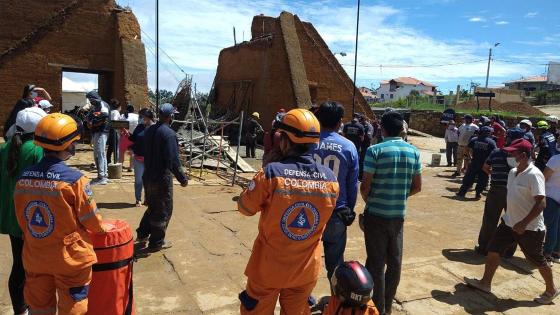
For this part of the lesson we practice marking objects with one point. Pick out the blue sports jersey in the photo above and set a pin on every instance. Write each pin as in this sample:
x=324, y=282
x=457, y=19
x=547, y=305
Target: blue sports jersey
x=340, y=155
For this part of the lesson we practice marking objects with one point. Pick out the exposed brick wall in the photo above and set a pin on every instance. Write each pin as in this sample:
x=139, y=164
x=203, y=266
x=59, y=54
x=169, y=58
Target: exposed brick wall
x=91, y=35
x=264, y=62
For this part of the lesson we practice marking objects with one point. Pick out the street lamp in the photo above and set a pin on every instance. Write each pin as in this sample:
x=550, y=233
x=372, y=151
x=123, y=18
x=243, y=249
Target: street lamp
x=488, y=68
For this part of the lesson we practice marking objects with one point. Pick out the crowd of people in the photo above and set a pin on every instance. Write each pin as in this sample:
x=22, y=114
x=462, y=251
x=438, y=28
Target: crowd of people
x=522, y=165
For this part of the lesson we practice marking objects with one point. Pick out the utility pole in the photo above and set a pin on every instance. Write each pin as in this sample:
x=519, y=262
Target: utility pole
x=356, y=61
x=488, y=68
x=157, y=56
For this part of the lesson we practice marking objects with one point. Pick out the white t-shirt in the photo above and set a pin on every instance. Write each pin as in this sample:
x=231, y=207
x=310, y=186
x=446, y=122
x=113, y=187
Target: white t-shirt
x=115, y=115
x=553, y=182
x=132, y=121
x=466, y=132
x=521, y=192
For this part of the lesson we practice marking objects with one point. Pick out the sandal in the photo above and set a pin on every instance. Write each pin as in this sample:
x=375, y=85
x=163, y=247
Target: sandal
x=547, y=298
x=476, y=284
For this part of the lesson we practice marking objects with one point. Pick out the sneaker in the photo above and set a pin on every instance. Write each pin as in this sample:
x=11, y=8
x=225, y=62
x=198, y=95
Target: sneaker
x=549, y=260
x=460, y=195
x=165, y=245
x=100, y=181
x=455, y=174
x=547, y=298
x=478, y=196
x=555, y=258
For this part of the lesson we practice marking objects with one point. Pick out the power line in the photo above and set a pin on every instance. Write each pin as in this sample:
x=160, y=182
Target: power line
x=416, y=66
x=164, y=65
x=163, y=51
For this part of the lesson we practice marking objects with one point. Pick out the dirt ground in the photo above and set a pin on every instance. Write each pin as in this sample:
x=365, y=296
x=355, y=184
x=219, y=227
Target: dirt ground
x=203, y=272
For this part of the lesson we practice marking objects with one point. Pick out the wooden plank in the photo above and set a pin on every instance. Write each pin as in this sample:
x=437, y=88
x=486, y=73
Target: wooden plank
x=230, y=153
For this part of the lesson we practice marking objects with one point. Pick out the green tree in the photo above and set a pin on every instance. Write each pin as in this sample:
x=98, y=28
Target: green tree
x=165, y=96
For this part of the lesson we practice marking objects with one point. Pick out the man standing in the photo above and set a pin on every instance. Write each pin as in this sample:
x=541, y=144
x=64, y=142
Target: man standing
x=451, y=137
x=55, y=210
x=98, y=123
x=497, y=167
x=523, y=222
x=481, y=147
x=354, y=131
x=340, y=155
x=392, y=173
x=527, y=126
x=251, y=133
x=296, y=197
x=546, y=145
x=161, y=163
x=466, y=132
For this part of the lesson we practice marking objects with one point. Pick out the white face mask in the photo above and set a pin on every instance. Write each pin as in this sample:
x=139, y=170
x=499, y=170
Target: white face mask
x=512, y=162
x=33, y=94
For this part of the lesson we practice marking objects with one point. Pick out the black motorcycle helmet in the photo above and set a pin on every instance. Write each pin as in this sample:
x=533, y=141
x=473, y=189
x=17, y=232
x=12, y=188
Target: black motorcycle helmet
x=352, y=284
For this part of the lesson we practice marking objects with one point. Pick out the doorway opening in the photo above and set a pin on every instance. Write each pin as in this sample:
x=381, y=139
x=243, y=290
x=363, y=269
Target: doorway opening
x=75, y=85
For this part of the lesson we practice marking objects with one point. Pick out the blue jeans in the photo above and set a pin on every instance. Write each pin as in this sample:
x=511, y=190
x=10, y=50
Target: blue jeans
x=138, y=172
x=99, y=140
x=334, y=243
x=552, y=221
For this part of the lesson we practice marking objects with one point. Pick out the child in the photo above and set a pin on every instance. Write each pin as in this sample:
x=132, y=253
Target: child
x=451, y=143
x=353, y=287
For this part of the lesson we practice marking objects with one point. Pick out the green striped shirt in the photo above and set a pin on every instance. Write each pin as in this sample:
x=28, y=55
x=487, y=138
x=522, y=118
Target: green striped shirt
x=392, y=163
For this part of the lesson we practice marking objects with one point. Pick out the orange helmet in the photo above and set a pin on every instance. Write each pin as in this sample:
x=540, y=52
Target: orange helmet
x=300, y=125
x=57, y=131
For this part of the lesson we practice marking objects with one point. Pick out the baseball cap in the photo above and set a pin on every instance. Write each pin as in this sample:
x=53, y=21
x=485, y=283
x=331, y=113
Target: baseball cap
x=167, y=109
x=519, y=145
x=28, y=118
x=526, y=122
x=44, y=104
x=552, y=119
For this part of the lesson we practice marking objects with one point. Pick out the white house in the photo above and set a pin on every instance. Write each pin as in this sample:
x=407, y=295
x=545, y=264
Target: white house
x=401, y=87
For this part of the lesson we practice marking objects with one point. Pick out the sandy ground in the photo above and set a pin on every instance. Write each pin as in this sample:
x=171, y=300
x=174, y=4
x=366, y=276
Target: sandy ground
x=203, y=272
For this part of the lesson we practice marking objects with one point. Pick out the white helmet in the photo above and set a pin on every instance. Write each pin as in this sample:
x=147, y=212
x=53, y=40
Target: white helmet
x=552, y=119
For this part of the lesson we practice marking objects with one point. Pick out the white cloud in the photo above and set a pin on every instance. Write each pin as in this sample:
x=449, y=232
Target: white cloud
x=477, y=19
x=85, y=84
x=194, y=39
x=501, y=22
x=530, y=15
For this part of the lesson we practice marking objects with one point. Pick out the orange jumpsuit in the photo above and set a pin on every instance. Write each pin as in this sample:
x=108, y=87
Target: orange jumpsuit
x=54, y=207
x=334, y=308
x=296, y=198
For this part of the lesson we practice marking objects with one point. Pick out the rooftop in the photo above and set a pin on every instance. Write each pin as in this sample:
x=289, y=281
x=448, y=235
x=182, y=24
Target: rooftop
x=408, y=80
x=536, y=78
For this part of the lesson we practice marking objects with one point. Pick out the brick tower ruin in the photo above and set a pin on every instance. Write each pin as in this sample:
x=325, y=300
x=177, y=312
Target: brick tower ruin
x=41, y=39
x=286, y=64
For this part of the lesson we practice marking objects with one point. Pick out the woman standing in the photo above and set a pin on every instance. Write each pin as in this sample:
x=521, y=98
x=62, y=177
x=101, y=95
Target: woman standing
x=137, y=138
x=30, y=93
x=16, y=155
x=552, y=211
x=124, y=141
x=113, y=141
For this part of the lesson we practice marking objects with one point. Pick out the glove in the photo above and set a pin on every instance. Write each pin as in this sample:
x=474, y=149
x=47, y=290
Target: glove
x=346, y=215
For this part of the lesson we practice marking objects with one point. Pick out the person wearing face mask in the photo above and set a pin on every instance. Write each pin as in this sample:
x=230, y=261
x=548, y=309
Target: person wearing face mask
x=161, y=163
x=546, y=145
x=296, y=197
x=481, y=147
x=137, y=138
x=497, y=167
x=523, y=222
x=16, y=155
x=56, y=212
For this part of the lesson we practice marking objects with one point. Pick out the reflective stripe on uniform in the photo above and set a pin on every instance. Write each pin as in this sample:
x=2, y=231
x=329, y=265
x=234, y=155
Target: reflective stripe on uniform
x=244, y=209
x=88, y=215
x=36, y=192
x=51, y=310
x=305, y=193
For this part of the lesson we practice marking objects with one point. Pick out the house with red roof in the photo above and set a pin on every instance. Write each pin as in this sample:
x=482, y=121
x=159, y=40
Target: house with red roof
x=401, y=87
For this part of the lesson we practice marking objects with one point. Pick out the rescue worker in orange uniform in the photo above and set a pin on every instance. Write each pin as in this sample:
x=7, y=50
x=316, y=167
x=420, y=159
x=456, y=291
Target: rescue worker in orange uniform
x=54, y=207
x=353, y=287
x=296, y=198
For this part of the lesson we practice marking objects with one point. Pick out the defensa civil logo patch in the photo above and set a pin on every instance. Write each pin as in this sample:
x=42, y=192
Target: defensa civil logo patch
x=40, y=220
x=300, y=221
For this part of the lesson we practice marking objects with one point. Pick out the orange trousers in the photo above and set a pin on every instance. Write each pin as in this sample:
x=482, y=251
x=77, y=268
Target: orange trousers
x=293, y=301
x=41, y=290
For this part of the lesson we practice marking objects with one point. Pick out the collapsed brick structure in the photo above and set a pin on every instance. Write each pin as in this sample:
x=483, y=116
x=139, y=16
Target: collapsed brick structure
x=41, y=39
x=286, y=64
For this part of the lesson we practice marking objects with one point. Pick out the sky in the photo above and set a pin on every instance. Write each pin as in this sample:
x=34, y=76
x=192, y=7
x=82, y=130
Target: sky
x=444, y=42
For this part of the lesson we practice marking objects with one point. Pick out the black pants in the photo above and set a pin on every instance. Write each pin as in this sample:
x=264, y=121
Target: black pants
x=474, y=172
x=159, y=197
x=250, y=146
x=496, y=201
x=112, y=146
x=451, y=152
x=384, y=247
x=17, y=276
